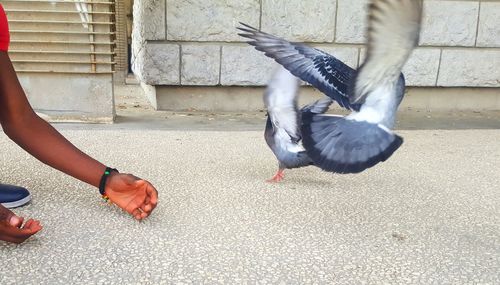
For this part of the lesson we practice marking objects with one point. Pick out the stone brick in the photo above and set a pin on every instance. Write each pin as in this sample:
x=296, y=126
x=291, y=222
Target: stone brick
x=158, y=64
x=200, y=65
x=489, y=25
x=298, y=20
x=351, y=21
x=245, y=66
x=449, y=23
x=467, y=67
x=209, y=20
x=422, y=67
x=151, y=16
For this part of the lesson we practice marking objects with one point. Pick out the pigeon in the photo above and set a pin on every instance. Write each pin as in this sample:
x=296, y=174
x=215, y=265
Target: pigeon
x=363, y=138
x=282, y=132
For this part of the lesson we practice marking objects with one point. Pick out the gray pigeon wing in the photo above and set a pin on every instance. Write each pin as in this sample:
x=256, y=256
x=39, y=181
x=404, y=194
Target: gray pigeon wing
x=349, y=144
x=320, y=69
x=393, y=33
x=318, y=107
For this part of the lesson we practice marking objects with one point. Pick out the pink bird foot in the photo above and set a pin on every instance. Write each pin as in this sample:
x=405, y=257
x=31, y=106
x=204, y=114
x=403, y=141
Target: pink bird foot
x=280, y=175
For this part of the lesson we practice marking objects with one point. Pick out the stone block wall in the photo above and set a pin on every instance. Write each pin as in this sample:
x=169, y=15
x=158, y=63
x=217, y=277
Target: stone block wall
x=195, y=42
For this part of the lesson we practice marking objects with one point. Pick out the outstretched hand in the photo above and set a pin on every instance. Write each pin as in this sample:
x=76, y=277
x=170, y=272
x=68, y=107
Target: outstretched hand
x=12, y=228
x=134, y=195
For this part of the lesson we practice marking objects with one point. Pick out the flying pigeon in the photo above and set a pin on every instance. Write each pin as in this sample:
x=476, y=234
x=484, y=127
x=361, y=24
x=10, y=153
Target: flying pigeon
x=360, y=140
x=282, y=132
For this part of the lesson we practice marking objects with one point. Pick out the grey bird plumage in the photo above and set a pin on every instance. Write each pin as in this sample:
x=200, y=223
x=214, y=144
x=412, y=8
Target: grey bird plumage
x=360, y=140
x=283, y=131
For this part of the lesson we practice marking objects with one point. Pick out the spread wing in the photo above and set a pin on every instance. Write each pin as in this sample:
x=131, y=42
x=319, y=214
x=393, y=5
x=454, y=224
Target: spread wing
x=393, y=33
x=320, y=69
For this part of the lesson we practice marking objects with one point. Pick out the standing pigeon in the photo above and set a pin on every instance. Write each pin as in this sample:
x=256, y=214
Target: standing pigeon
x=282, y=132
x=373, y=93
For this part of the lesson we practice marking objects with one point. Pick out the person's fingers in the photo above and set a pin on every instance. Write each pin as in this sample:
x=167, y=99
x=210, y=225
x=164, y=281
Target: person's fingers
x=20, y=234
x=135, y=204
x=150, y=200
x=136, y=213
x=38, y=226
x=146, y=208
x=139, y=213
x=16, y=232
x=34, y=226
x=28, y=224
x=152, y=195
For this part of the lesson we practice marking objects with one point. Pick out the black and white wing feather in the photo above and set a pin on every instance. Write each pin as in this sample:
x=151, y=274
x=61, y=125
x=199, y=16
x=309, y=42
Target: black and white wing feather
x=320, y=69
x=393, y=33
x=362, y=139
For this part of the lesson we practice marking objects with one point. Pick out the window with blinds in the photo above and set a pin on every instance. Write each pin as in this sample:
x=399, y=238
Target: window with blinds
x=62, y=36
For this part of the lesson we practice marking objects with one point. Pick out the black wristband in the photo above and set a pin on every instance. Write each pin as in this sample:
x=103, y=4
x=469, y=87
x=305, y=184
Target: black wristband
x=104, y=178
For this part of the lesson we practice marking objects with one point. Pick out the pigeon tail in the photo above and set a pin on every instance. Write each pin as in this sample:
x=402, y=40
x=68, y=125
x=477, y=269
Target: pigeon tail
x=341, y=145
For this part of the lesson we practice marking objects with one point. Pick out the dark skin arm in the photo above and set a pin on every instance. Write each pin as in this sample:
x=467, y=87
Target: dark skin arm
x=21, y=124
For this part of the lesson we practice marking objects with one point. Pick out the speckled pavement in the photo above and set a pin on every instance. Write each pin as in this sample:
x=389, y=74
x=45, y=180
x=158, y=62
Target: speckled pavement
x=429, y=215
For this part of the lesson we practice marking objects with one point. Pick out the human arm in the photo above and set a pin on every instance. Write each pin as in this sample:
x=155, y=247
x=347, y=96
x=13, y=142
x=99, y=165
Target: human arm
x=21, y=124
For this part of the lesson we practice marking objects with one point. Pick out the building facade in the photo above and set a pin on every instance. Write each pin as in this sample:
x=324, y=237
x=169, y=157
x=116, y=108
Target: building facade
x=187, y=54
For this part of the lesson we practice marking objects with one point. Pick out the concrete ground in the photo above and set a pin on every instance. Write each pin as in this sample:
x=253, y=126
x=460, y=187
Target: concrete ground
x=429, y=215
